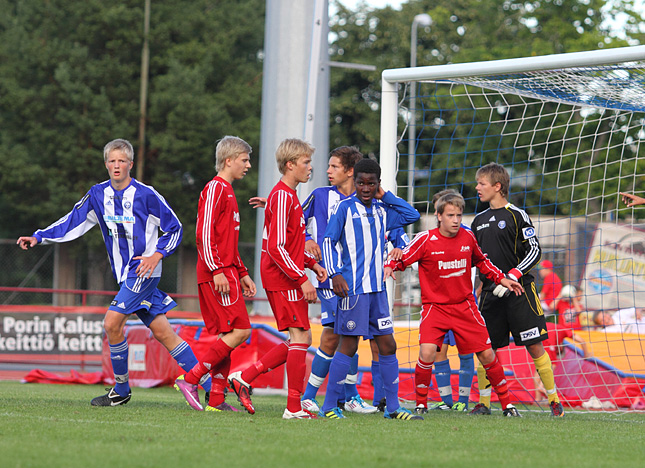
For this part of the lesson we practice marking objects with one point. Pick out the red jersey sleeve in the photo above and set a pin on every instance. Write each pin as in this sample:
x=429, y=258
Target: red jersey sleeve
x=210, y=209
x=277, y=237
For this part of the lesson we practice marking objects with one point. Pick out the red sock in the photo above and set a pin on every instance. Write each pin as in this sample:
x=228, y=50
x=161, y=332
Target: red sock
x=213, y=357
x=495, y=374
x=296, y=369
x=422, y=379
x=274, y=358
x=219, y=375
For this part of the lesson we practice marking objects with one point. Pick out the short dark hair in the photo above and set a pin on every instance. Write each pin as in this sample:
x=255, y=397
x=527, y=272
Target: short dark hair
x=367, y=166
x=348, y=155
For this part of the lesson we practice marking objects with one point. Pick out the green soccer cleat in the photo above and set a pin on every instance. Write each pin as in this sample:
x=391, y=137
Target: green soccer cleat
x=459, y=406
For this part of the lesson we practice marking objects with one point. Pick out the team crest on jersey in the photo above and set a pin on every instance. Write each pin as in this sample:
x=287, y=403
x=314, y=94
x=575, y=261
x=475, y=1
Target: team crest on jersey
x=127, y=205
x=351, y=325
x=501, y=224
x=528, y=232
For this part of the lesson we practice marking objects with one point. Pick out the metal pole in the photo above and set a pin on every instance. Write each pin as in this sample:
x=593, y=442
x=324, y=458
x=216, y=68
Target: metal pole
x=143, y=95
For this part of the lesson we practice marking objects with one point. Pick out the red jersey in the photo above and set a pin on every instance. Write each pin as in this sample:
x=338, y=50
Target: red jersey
x=445, y=264
x=551, y=288
x=568, y=316
x=283, y=260
x=218, y=231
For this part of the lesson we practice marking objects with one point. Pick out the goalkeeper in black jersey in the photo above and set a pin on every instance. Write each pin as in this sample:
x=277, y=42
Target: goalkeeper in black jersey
x=506, y=234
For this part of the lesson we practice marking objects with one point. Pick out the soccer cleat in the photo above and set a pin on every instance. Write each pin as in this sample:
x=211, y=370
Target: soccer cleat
x=440, y=405
x=207, y=398
x=310, y=405
x=556, y=409
x=481, y=409
x=222, y=407
x=459, y=406
x=421, y=409
x=358, y=405
x=190, y=393
x=381, y=405
x=302, y=414
x=402, y=413
x=111, y=398
x=242, y=390
x=511, y=412
x=341, y=405
x=334, y=413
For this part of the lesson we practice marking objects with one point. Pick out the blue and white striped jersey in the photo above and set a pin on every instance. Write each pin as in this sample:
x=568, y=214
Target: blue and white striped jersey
x=354, y=243
x=317, y=209
x=129, y=219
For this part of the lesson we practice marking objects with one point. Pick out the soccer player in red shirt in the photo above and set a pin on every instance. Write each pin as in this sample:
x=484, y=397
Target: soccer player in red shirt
x=445, y=256
x=288, y=289
x=222, y=278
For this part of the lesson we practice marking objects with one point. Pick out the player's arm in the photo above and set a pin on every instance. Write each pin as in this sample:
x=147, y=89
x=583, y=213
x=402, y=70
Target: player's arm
x=400, y=213
x=171, y=228
x=258, y=202
x=399, y=240
x=210, y=211
x=276, y=242
x=486, y=267
x=330, y=253
x=73, y=225
x=308, y=210
x=412, y=253
x=532, y=253
x=586, y=352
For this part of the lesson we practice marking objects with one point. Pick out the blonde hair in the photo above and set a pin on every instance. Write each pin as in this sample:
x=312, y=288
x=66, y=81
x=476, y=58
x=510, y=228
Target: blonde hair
x=119, y=145
x=229, y=147
x=454, y=199
x=292, y=149
x=496, y=174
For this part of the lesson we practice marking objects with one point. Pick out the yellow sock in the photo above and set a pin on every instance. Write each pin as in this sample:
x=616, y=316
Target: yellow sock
x=484, y=385
x=545, y=371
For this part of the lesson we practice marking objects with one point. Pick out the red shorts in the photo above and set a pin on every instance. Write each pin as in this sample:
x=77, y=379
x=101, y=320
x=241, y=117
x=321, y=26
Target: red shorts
x=289, y=309
x=465, y=321
x=223, y=312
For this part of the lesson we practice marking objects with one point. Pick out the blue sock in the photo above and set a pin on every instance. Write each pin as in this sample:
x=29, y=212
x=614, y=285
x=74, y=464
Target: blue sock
x=377, y=382
x=466, y=374
x=186, y=359
x=442, y=374
x=389, y=366
x=337, y=373
x=352, y=379
x=119, y=357
x=319, y=370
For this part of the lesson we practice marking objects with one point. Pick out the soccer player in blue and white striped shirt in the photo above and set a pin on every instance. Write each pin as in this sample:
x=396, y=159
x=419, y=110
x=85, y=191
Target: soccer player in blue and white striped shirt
x=358, y=226
x=131, y=215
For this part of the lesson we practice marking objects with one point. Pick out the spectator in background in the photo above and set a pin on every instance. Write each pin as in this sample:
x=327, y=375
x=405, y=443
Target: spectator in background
x=551, y=286
x=602, y=319
x=569, y=307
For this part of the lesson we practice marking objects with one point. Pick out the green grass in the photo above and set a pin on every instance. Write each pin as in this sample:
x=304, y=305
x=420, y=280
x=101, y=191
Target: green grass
x=55, y=426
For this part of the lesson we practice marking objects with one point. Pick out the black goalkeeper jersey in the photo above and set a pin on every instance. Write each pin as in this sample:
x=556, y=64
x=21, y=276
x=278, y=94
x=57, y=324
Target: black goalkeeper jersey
x=509, y=239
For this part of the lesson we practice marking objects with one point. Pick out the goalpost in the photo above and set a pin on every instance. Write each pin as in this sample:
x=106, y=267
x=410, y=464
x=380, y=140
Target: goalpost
x=569, y=129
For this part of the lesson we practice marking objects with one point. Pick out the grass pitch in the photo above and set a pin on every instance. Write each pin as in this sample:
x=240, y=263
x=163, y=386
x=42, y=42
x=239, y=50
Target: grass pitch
x=55, y=426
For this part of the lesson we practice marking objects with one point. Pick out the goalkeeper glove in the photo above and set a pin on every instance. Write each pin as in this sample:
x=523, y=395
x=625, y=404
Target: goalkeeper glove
x=501, y=291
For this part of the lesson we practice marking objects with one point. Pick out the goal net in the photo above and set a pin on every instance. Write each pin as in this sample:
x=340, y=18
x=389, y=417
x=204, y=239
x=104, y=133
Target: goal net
x=569, y=130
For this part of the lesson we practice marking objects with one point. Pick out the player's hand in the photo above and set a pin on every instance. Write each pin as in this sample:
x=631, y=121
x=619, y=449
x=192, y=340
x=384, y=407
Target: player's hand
x=309, y=291
x=387, y=273
x=221, y=283
x=379, y=193
x=147, y=265
x=340, y=286
x=396, y=254
x=258, y=202
x=248, y=286
x=321, y=273
x=632, y=200
x=314, y=249
x=26, y=242
x=513, y=286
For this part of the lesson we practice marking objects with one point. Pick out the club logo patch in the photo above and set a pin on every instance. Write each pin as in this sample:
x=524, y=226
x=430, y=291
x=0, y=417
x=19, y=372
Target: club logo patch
x=501, y=224
x=351, y=325
x=528, y=232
